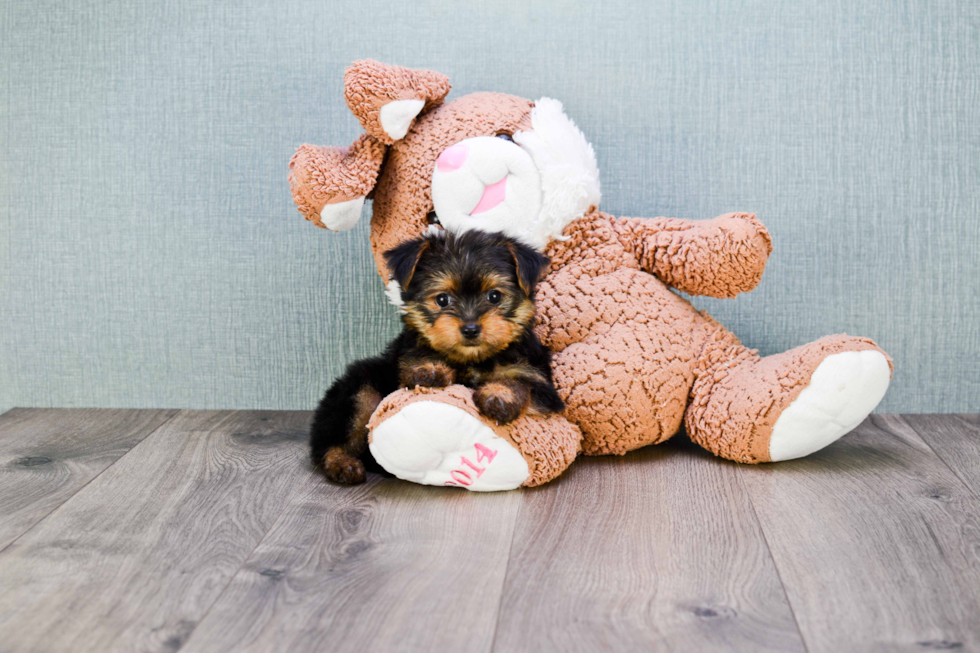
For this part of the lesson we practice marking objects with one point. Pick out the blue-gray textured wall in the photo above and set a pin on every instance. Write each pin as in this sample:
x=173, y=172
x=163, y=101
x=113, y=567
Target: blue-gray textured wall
x=150, y=254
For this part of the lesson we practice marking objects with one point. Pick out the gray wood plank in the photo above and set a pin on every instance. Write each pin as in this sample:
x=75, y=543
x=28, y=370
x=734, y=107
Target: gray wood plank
x=955, y=439
x=877, y=542
x=386, y=566
x=658, y=550
x=47, y=454
x=134, y=559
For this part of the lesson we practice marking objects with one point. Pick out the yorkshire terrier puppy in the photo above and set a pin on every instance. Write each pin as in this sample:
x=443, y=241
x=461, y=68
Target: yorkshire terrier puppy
x=468, y=313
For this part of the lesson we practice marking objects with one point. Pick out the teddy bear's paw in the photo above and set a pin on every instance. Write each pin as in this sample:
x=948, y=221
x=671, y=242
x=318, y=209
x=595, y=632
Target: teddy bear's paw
x=843, y=390
x=433, y=443
x=342, y=215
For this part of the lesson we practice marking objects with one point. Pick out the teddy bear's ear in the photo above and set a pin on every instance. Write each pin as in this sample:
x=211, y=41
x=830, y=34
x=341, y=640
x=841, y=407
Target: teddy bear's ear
x=329, y=184
x=386, y=98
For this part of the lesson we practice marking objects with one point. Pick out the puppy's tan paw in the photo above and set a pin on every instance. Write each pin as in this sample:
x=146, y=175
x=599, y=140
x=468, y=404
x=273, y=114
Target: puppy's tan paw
x=343, y=468
x=501, y=401
x=427, y=375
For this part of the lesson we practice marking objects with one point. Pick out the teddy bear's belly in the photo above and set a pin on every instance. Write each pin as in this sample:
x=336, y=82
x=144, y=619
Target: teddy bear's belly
x=572, y=310
x=624, y=352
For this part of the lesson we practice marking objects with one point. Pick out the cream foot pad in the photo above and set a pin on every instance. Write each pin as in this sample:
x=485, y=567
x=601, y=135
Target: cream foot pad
x=843, y=390
x=433, y=443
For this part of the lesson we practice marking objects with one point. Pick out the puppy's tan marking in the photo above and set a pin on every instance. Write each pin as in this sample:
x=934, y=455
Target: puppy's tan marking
x=365, y=402
x=443, y=335
x=342, y=464
x=427, y=374
x=502, y=400
x=498, y=331
x=524, y=313
x=341, y=467
x=442, y=282
x=498, y=281
x=519, y=372
x=416, y=317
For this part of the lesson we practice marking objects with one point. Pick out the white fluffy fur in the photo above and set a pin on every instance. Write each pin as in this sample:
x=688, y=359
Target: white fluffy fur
x=567, y=165
x=551, y=180
x=457, y=192
x=394, y=293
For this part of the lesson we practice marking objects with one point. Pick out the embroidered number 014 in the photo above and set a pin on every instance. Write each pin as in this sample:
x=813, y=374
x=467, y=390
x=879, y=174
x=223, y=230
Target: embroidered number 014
x=468, y=471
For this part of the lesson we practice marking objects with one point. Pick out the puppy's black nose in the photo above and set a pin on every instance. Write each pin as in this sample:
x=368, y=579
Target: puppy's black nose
x=470, y=330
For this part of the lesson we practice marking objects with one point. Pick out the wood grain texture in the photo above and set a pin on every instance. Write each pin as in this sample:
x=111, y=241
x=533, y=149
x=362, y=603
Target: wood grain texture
x=955, y=439
x=379, y=567
x=46, y=455
x=135, y=558
x=212, y=533
x=657, y=550
x=877, y=542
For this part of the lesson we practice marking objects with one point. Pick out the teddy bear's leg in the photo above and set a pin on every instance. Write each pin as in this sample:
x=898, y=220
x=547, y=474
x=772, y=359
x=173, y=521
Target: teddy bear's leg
x=625, y=388
x=436, y=436
x=753, y=410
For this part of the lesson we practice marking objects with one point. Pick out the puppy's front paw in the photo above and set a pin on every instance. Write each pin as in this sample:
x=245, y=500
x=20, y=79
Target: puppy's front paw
x=427, y=375
x=343, y=468
x=502, y=402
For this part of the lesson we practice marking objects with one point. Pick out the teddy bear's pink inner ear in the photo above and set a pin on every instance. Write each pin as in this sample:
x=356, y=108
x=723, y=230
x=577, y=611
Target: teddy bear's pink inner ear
x=386, y=99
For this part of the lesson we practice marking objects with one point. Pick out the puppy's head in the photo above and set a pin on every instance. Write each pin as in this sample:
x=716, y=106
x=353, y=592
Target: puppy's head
x=470, y=295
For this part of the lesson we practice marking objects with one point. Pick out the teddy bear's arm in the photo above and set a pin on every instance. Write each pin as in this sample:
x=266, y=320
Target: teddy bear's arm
x=720, y=257
x=320, y=177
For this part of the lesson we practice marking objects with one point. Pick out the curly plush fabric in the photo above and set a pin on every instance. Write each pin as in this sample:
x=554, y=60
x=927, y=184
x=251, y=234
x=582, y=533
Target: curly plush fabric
x=327, y=175
x=738, y=396
x=625, y=345
x=369, y=85
x=721, y=257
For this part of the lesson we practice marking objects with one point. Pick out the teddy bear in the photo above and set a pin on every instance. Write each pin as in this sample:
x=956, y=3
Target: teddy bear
x=633, y=360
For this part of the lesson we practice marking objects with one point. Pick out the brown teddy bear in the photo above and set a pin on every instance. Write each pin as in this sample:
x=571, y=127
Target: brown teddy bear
x=633, y=360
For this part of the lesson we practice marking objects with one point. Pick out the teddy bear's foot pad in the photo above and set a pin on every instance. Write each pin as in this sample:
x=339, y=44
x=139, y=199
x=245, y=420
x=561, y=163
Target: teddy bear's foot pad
x=434, y=443
x=843, y=390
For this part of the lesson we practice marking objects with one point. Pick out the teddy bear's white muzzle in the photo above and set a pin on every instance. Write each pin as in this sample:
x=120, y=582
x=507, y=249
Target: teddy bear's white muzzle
x=486, y=183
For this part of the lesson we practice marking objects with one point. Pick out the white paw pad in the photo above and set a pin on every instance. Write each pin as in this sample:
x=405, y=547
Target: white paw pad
x=433, y=443
x=342, y=215
x=396, y=117
x=843, y=390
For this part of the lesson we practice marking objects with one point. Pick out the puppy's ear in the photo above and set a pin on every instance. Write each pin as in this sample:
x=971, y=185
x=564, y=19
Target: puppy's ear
x=530, y=264
x=386, y=99
x=403, y=259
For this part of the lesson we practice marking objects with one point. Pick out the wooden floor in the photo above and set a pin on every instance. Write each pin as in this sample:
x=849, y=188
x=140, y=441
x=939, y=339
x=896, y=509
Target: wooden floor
x=159, y=530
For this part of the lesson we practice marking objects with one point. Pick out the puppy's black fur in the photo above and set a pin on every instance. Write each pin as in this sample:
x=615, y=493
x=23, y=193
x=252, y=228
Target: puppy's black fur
x=468, y=316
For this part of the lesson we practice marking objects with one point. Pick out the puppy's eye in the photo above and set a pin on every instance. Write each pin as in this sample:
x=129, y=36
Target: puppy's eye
x=431, y=218
x=505, y=136
x=494, y=296
x=443, y=300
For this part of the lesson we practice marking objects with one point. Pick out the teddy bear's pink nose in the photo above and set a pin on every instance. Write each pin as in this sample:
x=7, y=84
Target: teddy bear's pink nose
x=452, y=158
